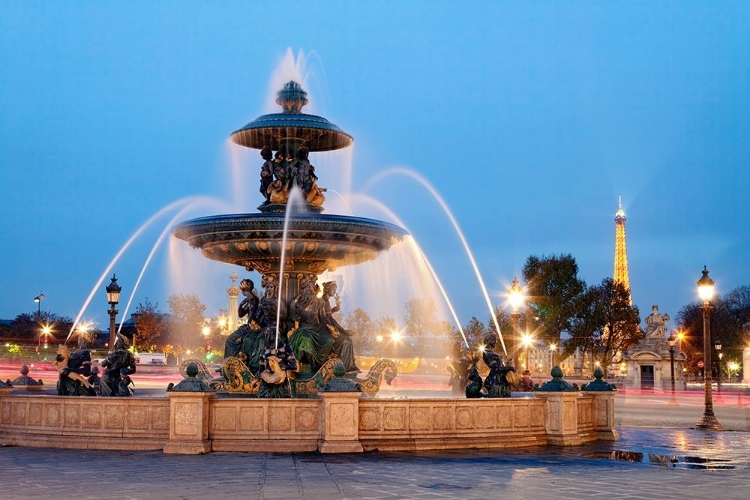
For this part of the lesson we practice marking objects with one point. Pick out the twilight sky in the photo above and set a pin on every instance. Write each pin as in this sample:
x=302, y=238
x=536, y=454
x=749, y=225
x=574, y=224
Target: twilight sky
x=528, y=119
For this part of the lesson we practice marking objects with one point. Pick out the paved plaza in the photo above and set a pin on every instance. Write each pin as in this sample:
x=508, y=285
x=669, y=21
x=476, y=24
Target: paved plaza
x=669, y=463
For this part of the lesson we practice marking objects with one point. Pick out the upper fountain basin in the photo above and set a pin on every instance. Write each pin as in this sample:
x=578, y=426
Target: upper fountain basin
x=315, y=242
x=315, y=132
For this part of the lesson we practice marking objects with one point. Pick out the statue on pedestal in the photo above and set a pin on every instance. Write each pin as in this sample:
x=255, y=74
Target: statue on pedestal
x=656, y=324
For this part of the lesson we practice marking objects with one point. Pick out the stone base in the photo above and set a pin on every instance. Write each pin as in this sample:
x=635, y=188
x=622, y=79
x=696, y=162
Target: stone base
x=187, y=447
x=340, y=447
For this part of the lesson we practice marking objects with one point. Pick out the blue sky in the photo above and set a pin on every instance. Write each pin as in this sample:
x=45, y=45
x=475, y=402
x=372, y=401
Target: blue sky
x=529, y=119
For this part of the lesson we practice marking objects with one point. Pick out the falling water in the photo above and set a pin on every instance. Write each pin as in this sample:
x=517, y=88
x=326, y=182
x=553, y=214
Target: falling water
x=167, y=230
x=295, y=199
x=184, y=201
x=417, y=251
x=431, y=189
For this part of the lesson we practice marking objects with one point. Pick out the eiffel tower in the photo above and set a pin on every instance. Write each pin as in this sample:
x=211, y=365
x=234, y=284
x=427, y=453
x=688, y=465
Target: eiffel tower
x=621, y=253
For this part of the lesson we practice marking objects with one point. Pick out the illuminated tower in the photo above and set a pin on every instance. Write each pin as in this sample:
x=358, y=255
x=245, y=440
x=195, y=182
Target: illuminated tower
x=621, y=252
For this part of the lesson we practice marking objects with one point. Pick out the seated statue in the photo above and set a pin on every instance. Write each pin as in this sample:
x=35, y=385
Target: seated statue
x=118, y=363
x=656, y=324
x=310, y=339
x=75, y=368
x=342, y=342
x=250, y=339
x=496, y=383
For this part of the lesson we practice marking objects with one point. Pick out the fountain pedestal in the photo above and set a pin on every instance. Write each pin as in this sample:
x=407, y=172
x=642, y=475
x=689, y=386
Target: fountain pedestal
x=189, y=422
x=340, y=423
x=561, y=418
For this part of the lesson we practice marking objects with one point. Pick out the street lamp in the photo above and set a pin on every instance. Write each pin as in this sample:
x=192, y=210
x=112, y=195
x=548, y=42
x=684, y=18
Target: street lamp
x=206, y=333
x=46, y=334
x=717, y=344
x=706, y=293
x=526, y=341
x=113, y=297
x=38, y=299
x=516, y=299
x=672, y=341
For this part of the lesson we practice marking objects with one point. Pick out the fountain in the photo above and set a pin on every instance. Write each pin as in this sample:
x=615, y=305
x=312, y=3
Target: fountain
x=290, y=243
x=289, y=380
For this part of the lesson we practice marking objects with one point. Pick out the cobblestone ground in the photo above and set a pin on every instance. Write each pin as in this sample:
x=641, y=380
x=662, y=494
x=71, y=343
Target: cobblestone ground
x=681, y=464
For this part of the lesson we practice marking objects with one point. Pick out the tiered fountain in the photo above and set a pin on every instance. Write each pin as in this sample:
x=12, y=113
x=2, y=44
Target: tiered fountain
x=290, y=243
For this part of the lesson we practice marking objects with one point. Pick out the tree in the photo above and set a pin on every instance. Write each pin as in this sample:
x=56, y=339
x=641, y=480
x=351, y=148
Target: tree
x=605, y=324
x=421, y=321
x=186, y=323
x=554, y=288
x=475, y=332
x=725, y=326
x=28, y=326
x=359, y=322
x=383, y=329
x=149, y=325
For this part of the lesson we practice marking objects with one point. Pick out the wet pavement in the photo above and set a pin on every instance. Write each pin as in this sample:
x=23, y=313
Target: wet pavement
x=644, y=463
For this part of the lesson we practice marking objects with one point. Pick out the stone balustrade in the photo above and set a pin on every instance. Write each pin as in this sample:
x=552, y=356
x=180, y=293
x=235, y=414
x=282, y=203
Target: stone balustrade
x=331, y=422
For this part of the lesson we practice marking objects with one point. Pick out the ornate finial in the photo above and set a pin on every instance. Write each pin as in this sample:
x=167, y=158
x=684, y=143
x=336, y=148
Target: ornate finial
x=291, y=97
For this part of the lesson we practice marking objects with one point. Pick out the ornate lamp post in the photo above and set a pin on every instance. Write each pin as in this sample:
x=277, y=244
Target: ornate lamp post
x=672, y=341
x=38, y=299
x=516, y=299
x=113, y=297
x=717, y=344
x=706, y=293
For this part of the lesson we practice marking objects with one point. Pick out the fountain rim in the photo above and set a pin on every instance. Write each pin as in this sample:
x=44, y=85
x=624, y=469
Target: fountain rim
x=277, y=222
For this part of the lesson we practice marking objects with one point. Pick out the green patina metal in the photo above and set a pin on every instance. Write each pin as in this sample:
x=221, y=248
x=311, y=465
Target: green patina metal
x=192, y=383
x=557, y=384
x=339, y=383
x=599, y=384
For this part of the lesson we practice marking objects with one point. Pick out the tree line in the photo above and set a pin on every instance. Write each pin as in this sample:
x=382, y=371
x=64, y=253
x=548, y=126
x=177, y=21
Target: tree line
x=560, y=309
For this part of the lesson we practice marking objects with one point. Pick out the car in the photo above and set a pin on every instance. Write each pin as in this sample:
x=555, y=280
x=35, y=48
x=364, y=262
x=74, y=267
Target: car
x=44, y=366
